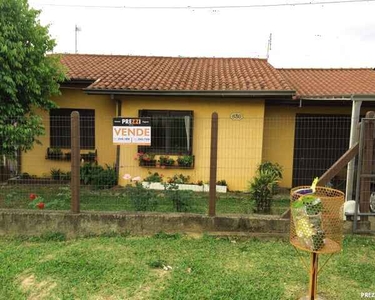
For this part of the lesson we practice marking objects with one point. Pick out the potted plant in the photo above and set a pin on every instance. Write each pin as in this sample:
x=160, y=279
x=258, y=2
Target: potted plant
x=89, y=157
x=166, y=161
x=185, y=161
x=222, y=182
x=54, y=153
x=307, y=218
x=146, y=159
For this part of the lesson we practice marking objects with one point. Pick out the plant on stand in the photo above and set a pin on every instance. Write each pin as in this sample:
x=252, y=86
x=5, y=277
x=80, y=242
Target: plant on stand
x=145, y=159
x=166, y=161
x=185, y=161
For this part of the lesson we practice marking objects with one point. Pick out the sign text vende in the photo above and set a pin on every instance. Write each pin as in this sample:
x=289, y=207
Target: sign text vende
x=132, y=131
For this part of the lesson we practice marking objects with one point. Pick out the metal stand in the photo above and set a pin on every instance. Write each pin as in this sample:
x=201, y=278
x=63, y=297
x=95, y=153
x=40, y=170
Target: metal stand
x=313, y=287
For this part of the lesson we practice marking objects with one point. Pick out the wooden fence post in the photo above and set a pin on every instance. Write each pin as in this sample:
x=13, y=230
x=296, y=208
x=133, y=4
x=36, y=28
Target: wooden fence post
x=213, y=165
x=75, y=161
x=367, y=163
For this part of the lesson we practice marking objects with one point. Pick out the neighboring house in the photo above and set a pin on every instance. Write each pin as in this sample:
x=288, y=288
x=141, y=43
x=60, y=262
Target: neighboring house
x=271, y=101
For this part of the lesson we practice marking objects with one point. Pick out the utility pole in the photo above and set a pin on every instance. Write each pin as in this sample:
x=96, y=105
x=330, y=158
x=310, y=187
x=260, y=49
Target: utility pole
x=269, y=45
x=76, y=30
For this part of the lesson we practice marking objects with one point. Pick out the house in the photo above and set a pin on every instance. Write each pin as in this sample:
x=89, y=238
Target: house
x=261, y=113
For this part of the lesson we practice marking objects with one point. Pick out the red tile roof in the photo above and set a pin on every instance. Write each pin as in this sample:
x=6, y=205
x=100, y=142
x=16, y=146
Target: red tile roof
x=142, y=73
x=330, y=82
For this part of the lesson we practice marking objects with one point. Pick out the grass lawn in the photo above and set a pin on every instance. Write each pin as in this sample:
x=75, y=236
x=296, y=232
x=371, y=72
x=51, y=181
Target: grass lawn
x=17, y=196
x=204, y=268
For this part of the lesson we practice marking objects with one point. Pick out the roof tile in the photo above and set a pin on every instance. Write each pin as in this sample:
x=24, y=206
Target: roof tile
x=175, y=73
x=330, y=82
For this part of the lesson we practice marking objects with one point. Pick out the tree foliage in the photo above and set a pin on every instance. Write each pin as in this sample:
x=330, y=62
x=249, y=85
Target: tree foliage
x=28, y=76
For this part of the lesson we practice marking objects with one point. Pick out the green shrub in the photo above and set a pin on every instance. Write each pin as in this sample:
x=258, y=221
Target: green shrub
x=185, y=161
x=274, y=168
x=66, y=176
x=179, y=179
x=142, y=199
x=105, y=178
x=222, y=182
x=99, y=177
x=53, y=237
x=11, y=198
x=57, y=174
x=154, y=177
x=60, y=201
x=263, y=186
x=25, y=175
x=167, y=236
x=181, y=199
x=88, y=171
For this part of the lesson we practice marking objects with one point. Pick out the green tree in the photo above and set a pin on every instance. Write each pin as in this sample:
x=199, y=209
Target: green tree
x=28, y=76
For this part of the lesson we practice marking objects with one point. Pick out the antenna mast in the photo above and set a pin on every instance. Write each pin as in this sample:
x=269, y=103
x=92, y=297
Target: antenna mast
x=269, y=45
x=76, y=30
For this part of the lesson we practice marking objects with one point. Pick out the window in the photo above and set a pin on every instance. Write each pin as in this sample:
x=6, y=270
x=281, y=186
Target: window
x=171, y=131
x=60, y=128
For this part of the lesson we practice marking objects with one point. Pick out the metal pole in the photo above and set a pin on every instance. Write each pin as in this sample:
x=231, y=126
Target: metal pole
x=356, y=109
x=313, y=287
x=213, y=164
x=359, y=172
x=75, y=161
x=118, y=113
x=75, y=41
x=367, y=160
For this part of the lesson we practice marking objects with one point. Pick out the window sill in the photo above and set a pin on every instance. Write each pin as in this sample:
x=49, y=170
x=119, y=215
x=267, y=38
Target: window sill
x=155, y=164
x=90, y=156
x=166, y=167
x=64, y=158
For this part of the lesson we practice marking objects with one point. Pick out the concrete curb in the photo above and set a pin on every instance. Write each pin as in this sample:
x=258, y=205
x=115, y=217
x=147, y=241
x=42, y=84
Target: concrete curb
x=32, y=222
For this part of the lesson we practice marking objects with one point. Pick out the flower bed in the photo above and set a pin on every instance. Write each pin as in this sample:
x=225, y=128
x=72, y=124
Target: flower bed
x=188, y=187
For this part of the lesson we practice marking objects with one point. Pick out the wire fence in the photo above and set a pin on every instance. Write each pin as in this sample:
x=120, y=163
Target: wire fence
x=365, y=192
x=173, y=173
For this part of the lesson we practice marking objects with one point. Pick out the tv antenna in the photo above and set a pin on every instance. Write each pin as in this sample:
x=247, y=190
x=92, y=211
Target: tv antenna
x=269, y=45
x=76, y=30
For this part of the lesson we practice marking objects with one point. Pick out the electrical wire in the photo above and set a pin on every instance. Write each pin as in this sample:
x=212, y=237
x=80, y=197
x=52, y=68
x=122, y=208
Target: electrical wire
x=205, y=7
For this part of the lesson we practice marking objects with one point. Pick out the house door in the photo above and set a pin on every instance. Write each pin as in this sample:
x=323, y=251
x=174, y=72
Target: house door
x=319, y=141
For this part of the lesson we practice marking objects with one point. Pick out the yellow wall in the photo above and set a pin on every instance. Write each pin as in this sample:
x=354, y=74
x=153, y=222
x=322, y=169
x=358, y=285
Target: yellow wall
x=240, y=142
x=279, y=125
x=265, y=133
x=34, y=161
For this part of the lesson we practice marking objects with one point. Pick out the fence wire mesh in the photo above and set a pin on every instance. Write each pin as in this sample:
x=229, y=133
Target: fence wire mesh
x=173, y=173
x=364, y=209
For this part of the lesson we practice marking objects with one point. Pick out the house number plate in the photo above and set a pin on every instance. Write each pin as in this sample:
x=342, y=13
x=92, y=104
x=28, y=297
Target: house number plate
x=236, y=116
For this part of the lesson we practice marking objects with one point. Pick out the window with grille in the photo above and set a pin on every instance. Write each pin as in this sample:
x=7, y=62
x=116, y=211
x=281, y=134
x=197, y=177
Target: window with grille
x=171, y=131
x=60, y=128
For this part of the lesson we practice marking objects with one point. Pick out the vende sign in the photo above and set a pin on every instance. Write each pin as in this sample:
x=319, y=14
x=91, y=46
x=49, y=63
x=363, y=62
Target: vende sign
x=132, y=131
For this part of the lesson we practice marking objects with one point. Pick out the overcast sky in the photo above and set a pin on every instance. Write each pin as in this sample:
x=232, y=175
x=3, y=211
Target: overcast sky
x=330, y=35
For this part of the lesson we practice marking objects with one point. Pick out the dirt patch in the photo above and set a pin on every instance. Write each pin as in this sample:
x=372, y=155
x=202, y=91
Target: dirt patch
x=27, y=282
x=237, y=265
x=47, y=258
x=194, y=235
x=36, y=290
x=144, y=291
x=104, y=298
x=293, y=290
